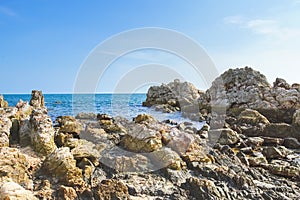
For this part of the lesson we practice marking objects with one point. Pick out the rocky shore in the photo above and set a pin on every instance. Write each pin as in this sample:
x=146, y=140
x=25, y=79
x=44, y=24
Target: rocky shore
x=248, y=149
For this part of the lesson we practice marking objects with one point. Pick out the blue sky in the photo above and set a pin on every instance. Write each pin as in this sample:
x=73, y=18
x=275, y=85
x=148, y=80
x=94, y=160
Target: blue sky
x=44, y=42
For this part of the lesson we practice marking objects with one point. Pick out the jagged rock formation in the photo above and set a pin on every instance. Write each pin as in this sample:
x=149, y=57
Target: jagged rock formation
x=37, y=99
x=234, y=91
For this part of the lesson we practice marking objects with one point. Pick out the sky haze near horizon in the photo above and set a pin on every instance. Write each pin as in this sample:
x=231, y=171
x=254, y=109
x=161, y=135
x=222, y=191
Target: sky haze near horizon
x=43, y=43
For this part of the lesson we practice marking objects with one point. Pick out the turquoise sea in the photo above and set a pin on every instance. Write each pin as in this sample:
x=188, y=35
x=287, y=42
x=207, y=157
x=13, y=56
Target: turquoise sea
x=125, y=105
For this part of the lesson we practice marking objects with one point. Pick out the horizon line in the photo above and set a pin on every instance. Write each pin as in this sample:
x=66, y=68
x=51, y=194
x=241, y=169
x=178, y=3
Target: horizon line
x=74, y=93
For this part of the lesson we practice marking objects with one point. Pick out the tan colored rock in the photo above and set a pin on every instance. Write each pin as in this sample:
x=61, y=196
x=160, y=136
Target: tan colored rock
x=10, y=190
x=5, y=126
x=43, y=190
x=257, y=161
x=3, y=103
x=226, y=136
x=141, y=139
x=126, y=163
x=69, y=124
x=24, y=109
x=111, y=189
x=42, y=132
x=252, y=117
x=165, y=157
x=88, y=150
x=17, y=166
x=110, y=126
x=143, y=117
x=254, y=141
x=66, y=193
x=37, y=99
x=61, y=165
x=196, y=153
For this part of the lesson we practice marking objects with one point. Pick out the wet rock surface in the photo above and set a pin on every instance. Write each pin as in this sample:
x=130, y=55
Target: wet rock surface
x=246, y=154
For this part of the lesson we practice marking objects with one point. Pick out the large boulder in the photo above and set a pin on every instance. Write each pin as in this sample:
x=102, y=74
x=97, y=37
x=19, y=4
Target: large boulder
x=241, y=87
x=175, y=94
x=247, y=88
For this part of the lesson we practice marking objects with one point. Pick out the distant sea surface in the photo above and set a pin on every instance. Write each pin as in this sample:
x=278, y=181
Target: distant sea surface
x=125, y=105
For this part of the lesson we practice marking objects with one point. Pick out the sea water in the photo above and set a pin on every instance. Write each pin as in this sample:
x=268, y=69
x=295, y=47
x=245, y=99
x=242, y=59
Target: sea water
x=125, y=105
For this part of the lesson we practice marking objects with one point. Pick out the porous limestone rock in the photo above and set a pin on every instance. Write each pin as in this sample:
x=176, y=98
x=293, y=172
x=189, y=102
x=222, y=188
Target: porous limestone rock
x=61, y=165
x=111, y=189
x=66, y=193
x=17, y=166
x=42, y=132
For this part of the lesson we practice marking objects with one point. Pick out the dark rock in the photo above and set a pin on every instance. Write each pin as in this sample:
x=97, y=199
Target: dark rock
x=272, y=152
x=279, y=82
x=292, y=143
x=280, y=130
x=202, y=188
x=224, y=136
x=272, y=141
